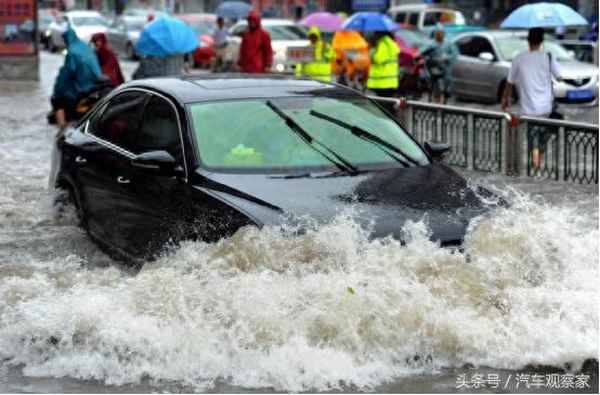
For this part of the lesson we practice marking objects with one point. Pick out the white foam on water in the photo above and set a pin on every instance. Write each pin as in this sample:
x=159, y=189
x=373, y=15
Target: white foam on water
x=316, y=311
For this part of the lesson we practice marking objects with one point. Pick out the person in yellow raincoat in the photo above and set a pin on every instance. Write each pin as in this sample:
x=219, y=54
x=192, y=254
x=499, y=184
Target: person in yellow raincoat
x=320, y=67
x=383, y=73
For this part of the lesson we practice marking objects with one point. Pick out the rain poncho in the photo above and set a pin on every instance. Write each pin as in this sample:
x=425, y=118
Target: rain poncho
x=320, y=67
x=445, y=54
x=352, y=53
x=108, y=60
x=80, y=72
x=256, y=54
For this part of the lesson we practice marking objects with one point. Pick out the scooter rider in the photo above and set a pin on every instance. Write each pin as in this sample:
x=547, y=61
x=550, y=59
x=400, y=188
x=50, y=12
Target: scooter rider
x=439, y=60
x=78, y=76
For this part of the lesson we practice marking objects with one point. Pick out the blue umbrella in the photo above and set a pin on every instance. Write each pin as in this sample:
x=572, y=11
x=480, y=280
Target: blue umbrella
x=370, y=22
x=233, y=9
x=166, y=36
x=543, y=15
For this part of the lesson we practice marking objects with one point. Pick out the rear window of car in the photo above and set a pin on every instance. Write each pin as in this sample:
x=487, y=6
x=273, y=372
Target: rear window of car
x=286, y=32
x=249, y=135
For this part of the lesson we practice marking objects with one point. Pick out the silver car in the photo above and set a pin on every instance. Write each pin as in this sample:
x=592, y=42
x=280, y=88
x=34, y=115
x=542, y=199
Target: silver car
x=124, y=32
x=484, y=62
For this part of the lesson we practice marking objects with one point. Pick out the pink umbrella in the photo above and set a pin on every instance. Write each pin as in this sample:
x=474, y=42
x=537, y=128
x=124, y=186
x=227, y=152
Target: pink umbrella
x=325, y=21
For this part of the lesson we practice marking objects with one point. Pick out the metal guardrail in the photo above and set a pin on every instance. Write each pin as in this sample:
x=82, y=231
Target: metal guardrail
x=566, y=150
x=491, y=141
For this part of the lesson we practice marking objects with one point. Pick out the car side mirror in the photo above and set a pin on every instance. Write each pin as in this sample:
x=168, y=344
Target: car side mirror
x=486, y=56
x=155, y=162
x=437, y=150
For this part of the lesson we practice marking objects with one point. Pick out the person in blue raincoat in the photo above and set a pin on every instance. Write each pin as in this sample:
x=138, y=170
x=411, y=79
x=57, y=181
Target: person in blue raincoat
x=78, y=76
x=440, y=58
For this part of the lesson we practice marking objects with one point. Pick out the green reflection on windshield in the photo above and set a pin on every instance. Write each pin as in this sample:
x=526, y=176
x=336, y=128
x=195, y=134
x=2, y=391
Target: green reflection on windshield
x=248, y=135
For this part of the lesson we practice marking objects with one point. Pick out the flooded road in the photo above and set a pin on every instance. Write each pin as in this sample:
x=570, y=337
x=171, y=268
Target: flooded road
x=327, y=310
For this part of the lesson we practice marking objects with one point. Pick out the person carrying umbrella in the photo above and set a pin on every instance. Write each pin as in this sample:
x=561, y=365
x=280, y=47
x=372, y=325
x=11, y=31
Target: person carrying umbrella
x=383, y=73
x=320, y=67
x=256, y=54
x=163, y=44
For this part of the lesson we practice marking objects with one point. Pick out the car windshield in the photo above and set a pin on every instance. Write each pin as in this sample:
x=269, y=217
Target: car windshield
x=510, y=47
x=414, y=39
x=88, y=21
x=249, y=136
x=286, y=32
x=202, y=27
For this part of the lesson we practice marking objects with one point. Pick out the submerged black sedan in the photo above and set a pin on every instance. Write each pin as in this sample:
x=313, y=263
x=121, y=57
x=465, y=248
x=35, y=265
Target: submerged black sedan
x=162, y=160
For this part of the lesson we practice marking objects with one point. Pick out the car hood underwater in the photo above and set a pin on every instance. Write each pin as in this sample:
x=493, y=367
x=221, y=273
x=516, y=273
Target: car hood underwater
x=381, y=201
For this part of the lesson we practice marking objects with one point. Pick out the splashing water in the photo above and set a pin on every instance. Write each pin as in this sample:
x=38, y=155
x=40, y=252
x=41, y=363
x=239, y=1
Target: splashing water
x=316, y=311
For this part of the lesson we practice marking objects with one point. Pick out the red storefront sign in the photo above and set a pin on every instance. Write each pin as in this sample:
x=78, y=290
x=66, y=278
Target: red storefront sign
x=17, y=27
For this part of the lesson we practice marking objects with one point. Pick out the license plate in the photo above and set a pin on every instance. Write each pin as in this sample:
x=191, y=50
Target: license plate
x=581, y=94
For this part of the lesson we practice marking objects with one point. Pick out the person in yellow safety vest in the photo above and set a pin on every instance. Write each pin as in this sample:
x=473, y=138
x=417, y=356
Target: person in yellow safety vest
x=383, y=73
x=320, y=67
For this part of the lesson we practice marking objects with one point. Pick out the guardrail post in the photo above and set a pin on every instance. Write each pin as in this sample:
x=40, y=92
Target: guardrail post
x=522, y=154
x=505, y=147
x=438, y=126
x=470, y=141
x=561, y=153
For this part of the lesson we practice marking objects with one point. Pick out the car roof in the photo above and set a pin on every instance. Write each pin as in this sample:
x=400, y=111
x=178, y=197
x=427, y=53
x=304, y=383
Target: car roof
x=232, y=86
x=491, y=34
x=420, y=7
x=270, y=21
x=197, y=17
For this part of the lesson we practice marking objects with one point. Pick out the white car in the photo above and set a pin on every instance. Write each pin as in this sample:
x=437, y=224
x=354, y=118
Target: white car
x=425, y=16
x=84, y=23
x=284, y=34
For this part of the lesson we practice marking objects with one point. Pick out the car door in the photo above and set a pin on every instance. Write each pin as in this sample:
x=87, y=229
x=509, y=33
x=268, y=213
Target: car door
x=105, y=173
x=162, y=209
x=471, y=74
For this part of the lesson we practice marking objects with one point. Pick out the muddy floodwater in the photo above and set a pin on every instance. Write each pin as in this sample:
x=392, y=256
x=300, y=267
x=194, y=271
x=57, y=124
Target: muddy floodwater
x=264, y=310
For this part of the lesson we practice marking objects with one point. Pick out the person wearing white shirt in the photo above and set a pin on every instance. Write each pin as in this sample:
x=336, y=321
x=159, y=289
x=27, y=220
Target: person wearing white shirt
x=532, y=71
x=220, y=43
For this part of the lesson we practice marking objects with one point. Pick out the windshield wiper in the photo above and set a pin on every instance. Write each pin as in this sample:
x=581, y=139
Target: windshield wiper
x=369, y=137
x=341, y=163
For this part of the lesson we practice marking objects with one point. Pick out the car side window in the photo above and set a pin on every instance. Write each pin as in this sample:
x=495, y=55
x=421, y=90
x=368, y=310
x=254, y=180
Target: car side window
x=159, y=129
x=413, y=19
x=400, y=17
x=473, y=46
x=431, y=18
x=119, y=121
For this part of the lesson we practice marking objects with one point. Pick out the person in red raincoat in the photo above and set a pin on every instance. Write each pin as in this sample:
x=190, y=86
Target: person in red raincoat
x=107, y=59
x=256, y=54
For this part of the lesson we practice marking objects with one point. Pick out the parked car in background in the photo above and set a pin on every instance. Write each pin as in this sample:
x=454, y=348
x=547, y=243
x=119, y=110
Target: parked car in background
x=284, y=33
x=422, y=16
x=584, y=51
x=124, y=32
x=84, y=23
x=204, y=25
x=45, y=18
x=485, y=58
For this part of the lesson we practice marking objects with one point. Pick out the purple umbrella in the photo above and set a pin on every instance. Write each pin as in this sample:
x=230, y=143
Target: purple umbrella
x=325, y=21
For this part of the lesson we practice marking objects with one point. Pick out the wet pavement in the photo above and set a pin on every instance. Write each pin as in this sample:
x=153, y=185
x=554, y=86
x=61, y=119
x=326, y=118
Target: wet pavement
x=265, y=311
